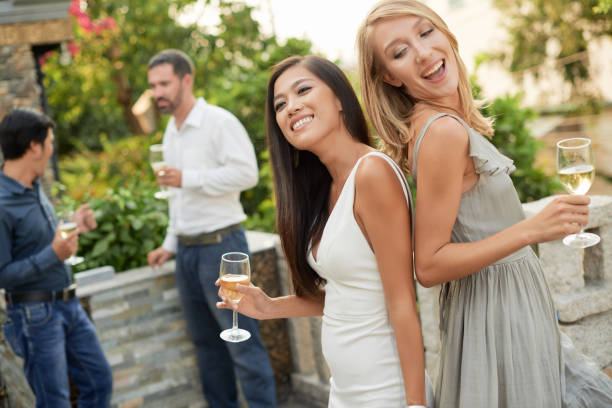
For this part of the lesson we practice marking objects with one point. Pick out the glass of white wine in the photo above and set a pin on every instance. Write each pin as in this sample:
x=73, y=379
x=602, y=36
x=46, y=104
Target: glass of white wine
x=156, y=157
x=67, y=224
x=235, y=269
x=576, y=170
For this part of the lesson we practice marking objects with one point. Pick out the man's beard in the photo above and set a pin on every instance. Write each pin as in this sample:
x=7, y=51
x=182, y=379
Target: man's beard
x=166, y=109
x=172, y=105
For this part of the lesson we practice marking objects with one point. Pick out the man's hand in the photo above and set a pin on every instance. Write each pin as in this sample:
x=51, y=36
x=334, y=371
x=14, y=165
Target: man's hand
x=170, y=177
x=158, y=256
x=64, y=247
x=85, y=219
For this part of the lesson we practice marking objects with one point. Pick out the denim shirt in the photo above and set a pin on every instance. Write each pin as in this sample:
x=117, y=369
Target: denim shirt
x=27, y=228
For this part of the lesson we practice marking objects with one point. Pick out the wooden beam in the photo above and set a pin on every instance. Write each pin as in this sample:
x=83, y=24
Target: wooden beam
x=37, y=32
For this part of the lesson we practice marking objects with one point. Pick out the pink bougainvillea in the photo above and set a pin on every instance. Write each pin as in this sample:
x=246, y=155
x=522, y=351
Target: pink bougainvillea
x=86, y=23
x=73, y=48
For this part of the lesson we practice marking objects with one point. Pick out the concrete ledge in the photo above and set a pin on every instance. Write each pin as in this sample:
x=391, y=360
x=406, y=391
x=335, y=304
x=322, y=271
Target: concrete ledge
x=258, y=241
x=126, y=278
x=95, y=275
x=591, y=300
x=600, y=209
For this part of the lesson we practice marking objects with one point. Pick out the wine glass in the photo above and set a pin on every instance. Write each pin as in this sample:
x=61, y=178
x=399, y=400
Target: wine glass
x=576, y=170
x=67, y=224
x=156, y=157
x=235, y=269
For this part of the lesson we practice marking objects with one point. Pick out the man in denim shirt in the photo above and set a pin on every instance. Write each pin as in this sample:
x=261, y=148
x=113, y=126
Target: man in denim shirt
x=46, y=326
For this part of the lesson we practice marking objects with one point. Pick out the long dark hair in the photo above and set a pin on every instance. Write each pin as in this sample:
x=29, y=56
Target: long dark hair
x=301, y=181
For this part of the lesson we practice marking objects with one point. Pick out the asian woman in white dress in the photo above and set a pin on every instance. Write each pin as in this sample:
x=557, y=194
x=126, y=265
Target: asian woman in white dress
x=343, y=216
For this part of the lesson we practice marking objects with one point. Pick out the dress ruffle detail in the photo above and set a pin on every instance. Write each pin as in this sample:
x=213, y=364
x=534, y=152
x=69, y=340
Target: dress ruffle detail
x=487, y=159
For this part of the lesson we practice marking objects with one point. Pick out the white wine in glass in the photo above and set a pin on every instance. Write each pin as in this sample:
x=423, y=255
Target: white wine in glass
x=156, y=157
x=235, y=269
x=66, y=225
x=576, y=170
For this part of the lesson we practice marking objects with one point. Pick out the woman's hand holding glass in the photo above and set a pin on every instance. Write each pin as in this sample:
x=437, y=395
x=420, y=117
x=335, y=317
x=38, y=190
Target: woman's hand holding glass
x=254, y=302
x=576, y=170
x=235, y=269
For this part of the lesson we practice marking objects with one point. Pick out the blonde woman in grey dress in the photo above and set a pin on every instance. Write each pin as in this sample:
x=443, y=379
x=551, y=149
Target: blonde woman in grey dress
x=500, y=342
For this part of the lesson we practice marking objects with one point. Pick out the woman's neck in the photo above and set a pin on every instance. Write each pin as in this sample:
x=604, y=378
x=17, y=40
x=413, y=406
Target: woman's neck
x=341, y=158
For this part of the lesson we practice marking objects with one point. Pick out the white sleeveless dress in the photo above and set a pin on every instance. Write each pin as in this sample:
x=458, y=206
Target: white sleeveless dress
x=357, y=338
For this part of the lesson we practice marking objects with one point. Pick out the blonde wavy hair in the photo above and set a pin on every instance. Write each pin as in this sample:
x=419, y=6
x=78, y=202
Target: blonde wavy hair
x=390, y=108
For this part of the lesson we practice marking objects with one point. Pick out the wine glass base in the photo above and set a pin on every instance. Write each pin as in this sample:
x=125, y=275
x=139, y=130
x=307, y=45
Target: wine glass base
x=162, y=195
x=235, y=335
x=581, y=240
x=74, y=260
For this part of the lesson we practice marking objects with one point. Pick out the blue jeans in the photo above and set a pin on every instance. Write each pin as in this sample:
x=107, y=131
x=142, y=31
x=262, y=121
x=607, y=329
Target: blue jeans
x=197, y=269
x=56, y=339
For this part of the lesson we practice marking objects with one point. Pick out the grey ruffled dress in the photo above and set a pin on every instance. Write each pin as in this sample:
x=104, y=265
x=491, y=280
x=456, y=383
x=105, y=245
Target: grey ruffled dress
x=500, y=342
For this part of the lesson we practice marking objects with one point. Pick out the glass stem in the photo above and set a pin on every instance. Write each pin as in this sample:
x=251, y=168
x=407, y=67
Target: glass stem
x=235, y=320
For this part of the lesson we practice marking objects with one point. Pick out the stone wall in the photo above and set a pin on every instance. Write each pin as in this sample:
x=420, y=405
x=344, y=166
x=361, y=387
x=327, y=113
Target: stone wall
x=18, y=82
x=581, y=283
x=19, y=88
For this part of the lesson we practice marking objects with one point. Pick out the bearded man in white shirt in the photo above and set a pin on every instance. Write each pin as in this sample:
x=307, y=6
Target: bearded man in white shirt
x=210, y=160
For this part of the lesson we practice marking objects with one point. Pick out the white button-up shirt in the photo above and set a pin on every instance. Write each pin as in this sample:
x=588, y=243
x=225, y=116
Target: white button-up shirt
x=217, y=160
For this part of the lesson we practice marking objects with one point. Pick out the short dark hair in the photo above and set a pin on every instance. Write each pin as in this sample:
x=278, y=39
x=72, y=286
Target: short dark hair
x=181, y=63
x=19, y=128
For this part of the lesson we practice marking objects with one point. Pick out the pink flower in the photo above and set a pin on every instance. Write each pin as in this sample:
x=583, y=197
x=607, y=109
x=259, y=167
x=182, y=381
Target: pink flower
x=109, y=23
x=85, y=22
x=42, y=59
x=73, y=48
x=75, y=8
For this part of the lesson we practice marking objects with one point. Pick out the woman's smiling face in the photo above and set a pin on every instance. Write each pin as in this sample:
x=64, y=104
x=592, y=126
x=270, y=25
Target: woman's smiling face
x=417, y=57
x=306, y=108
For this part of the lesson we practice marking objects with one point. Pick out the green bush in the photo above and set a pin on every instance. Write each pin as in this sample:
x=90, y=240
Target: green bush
x=131, y=222
x=119, y=184
x=513, y=139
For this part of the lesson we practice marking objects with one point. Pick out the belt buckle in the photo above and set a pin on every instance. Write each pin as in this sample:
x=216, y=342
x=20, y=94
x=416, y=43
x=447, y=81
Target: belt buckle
x=218, y=238
x=66, y=292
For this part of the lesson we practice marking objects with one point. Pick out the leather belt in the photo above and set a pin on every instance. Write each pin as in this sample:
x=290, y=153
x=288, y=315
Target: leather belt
x=65, y=295
x=207, y=238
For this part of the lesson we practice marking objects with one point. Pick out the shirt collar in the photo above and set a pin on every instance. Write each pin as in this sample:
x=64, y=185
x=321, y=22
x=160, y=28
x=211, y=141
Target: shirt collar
x=12, y=186
x=196, y=114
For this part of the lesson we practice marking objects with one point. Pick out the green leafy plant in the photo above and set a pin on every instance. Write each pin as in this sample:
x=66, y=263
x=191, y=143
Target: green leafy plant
x=131, y=222
x=513, y=139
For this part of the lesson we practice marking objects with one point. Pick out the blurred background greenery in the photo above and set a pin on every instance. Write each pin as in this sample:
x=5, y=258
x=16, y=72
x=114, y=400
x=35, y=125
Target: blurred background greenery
x=103, y=152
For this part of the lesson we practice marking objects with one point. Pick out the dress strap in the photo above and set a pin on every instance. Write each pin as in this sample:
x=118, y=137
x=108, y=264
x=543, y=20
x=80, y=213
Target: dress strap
x=419, y=139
